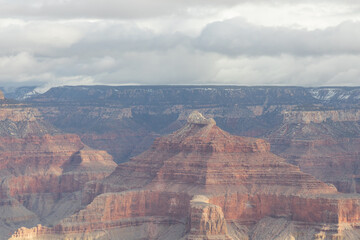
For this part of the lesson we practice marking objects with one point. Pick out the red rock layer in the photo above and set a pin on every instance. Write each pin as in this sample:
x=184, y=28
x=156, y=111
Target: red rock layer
x=17, y=120
x=326, y=156
x=113, y=210
x=239, y=176
x=305, y=208
x=206, y=157
x=36, y=154
x=49, y=164
x=38, y=171
x=206, y=221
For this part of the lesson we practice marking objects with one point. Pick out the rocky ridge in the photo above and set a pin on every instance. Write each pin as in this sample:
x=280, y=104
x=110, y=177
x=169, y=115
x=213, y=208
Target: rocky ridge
x=17, y=120
x=315, y=128
x=240, y=180
x=324, y=144
x=206, y=221
x=42, y=171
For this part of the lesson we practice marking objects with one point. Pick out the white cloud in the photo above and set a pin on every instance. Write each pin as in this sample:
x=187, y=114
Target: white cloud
x=183, y=66
x=290, y=70
x=62, y=42
x=53, y=81
x=237, y=37
x=123, y=9
x=12, y=65
x=36, y=36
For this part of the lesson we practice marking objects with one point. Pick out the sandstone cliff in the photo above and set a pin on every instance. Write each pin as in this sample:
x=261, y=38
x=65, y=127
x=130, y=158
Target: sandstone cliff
x=42, y=173
x=206, y=221
x=324, y=144
x=241, y=181
x=17, y=120
x=206, y=158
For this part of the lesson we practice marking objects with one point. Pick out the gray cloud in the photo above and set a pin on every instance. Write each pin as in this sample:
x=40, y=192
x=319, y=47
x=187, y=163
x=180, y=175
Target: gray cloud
x=135, y=9
x=39, y=37
x=233, y=37
x=53, y=42
x=237, y=37
x=116, y=39
x=119, y=9
x=185, y=66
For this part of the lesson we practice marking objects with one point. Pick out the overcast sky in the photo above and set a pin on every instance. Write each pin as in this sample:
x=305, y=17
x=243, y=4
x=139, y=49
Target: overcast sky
x=241, y=42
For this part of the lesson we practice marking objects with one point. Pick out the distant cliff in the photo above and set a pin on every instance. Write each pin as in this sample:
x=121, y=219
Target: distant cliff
x=201, y=95
x=315, y=128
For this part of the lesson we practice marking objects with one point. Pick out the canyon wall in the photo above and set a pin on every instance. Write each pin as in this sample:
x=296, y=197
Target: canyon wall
x=315, y=128
x=56, y=144
x=202, y=179
x=42, y=170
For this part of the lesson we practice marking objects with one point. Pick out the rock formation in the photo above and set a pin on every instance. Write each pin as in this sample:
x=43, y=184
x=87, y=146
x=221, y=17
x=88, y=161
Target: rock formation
x=203, y=156
x=206, y=221
x=324, y=144
x=240, y=181
x=317, y=129
x=42, y=171
x=19, y=121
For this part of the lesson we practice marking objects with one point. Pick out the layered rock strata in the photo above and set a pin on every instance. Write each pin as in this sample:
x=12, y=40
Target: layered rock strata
x=206, y=221
x=42, y=174
x=241, y=181
x=17, y=120
x=124, y=120
x=324, y=144
x=204, y=157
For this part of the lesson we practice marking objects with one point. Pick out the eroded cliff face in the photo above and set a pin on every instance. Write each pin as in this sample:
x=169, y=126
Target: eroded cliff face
x=206, y=221
x=114, y=211
x=315, y=128
x=324, y=144
x=240, y=180
x=207, y=159
x=42, y=174
x=351, y=115
x=50, y=165
x=20, y=121
x=125, y=120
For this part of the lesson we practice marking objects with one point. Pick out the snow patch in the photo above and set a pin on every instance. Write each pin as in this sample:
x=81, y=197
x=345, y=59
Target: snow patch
x=344, y=96
x=325, y=94
x=30, y=94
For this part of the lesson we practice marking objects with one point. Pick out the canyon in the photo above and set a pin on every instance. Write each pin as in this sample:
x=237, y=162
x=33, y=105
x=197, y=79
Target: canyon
x=285, y=168
x=42, y=170
x=317, y=129
x=201, y=182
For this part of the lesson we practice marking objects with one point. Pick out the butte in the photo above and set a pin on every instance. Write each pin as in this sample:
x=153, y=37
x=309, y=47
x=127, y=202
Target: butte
x=200, y=182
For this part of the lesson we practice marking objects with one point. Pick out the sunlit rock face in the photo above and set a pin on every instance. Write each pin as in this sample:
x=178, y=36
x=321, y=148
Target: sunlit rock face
x=206, y=220
x=201, y=182
x=317, y=129
x=42, y=170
